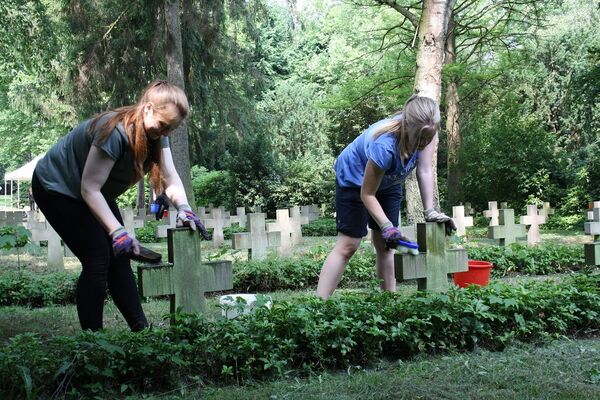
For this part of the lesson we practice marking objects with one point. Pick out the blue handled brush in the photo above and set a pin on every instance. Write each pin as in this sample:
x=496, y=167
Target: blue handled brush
x=408, y=248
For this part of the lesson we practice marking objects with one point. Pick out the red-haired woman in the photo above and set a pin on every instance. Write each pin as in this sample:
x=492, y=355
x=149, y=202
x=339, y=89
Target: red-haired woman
x=75, y=185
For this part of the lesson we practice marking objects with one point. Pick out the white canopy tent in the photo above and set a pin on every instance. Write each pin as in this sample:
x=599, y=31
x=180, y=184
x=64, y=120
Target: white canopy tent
x=23, y=173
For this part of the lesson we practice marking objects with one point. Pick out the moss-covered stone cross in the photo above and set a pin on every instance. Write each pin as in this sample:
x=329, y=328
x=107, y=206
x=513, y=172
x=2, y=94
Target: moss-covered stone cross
x=185, y=279
x=434, y=262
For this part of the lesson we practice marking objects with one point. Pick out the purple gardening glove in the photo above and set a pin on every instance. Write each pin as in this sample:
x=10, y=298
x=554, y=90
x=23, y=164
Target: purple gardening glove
x=392, y=235
x=186, y=217
x=123, y=244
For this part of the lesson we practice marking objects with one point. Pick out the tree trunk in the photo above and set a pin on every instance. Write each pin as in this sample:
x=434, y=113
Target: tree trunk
x=174, y=57
x=452, y=124
x=428, y=82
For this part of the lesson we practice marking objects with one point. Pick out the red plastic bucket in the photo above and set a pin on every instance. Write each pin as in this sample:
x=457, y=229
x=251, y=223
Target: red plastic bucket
x=478, y=274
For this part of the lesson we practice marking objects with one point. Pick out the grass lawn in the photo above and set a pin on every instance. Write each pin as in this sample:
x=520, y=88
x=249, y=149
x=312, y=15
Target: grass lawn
x=563, y=369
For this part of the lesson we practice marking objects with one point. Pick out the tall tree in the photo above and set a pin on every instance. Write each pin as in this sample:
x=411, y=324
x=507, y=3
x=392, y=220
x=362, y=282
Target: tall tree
x=174, y=56
x=478, y=29
x=431, y=29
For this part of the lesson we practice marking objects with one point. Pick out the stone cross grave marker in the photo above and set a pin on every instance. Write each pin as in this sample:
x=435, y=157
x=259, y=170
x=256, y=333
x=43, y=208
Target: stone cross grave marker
x=161, y=230
x=41, y=230
x=257, y=240
x=185, y=278
x=256, y=209
x=468, y=209
x=492, y=212
x=546, y=209
x=299, y=220
x=284, y=226
x=13, y=218
x=311, y=211
x=590, y=212
x=240, y=217
x=592, y=250
x=202, y=214
x=461, y=222
x=534, y=219
x=507, y=231
x=217, y=221
x=434, y=262
x=129, y=221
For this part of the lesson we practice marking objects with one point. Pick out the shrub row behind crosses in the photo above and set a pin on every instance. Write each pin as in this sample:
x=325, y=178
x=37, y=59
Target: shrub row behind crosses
x=297, y=339
x=35, y=290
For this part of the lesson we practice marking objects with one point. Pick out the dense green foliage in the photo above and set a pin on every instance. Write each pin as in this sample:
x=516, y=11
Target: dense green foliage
x=22, y=288
x=147, y=233
x=40, y=290
x=277, y=90
x=297, y=338
x=530, y=260
x=320, y=227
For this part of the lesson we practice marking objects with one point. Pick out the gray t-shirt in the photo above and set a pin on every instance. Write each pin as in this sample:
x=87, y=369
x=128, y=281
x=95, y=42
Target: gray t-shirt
x=60, y=170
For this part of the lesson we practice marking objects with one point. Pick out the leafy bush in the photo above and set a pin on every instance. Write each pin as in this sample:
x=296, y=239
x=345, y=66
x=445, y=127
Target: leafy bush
x=147, y=233
x=214, y=187
x=320, y=227
x=297, y=338
x=24, y=288
x=229, y=231
x=275, y=273
x=288, y=273
x=565, y=222
x=13, y=237
x=530, y=260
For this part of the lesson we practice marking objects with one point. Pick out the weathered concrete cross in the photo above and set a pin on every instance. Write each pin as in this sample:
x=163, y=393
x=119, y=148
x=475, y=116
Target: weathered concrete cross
x=311, y=211
x=284, y=227
x=534, y=219
x=41, y=230
x=492, y=212
x=161, y=230
x=217, y=221
x=547, y=210
x=458, y=215
x=432, y=266
x=507, y=231
x=299, y=220
x=185, y=279
x=240, y=217
x=469, y=210
x=257, y=240
x=592, y=250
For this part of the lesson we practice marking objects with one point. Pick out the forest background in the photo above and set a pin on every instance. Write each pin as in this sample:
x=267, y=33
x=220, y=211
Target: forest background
x=278, y=87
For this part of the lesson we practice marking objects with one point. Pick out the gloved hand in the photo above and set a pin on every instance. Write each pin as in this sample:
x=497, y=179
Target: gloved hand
x=186, y=217
x=431, y=215
x=392, y=235
x=123, y=244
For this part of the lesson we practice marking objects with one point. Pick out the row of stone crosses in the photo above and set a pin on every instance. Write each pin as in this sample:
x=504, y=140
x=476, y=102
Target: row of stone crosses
x=286, y=231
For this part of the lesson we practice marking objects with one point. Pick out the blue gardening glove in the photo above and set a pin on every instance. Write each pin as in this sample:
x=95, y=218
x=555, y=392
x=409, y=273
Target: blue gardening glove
x=123, y=244
x=186, y=217
x=431, y=215
x=392, y=235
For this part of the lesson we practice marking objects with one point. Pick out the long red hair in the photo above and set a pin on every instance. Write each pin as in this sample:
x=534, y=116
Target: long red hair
x=159, y=93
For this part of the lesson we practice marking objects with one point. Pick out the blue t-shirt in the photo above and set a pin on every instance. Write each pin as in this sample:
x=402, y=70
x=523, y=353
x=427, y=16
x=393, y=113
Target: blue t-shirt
x=350, y=165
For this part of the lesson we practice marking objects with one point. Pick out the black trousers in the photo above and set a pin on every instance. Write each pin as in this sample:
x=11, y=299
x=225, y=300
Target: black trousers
x=80, y=230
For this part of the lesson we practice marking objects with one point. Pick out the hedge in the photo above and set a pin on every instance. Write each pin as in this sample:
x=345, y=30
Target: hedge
x=297, y=339
x=35, y=290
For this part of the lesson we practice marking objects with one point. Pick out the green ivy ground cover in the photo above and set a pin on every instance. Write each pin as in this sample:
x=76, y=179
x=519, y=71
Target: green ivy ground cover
x=298, y=339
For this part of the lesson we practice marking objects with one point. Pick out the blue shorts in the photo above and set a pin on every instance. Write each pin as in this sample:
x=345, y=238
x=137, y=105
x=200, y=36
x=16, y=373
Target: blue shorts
x=352, y=216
